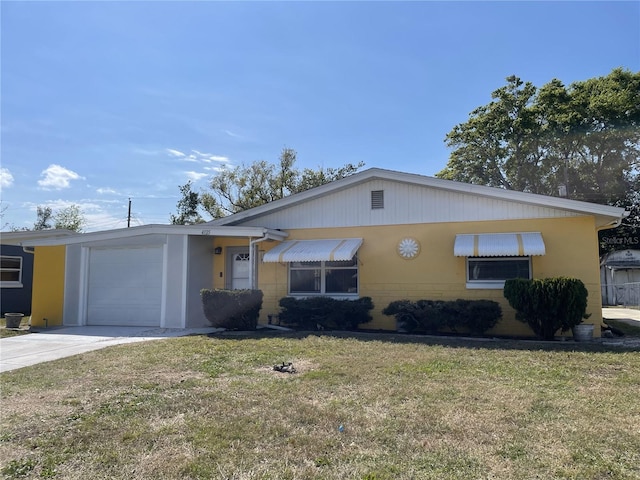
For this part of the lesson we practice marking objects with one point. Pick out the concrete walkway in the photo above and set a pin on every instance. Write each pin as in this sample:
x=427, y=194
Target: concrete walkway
x=627, y=315
x=51, y=344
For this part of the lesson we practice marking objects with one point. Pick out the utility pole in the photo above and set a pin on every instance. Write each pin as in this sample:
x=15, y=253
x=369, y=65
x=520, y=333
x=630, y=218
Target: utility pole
x=129, y=215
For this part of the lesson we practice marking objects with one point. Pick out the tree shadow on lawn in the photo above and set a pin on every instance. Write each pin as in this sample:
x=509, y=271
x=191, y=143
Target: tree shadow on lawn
x=489, y=343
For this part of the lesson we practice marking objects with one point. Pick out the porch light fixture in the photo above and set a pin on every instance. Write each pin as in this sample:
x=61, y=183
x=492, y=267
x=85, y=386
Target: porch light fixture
x=217, y=250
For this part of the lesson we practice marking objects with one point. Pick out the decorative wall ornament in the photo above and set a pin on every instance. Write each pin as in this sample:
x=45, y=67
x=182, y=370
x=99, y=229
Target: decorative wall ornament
x=408, y=248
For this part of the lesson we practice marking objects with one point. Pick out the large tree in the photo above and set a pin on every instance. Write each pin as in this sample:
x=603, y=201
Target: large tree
x=43, y=218
x=67, y=218
x=188, y=207
x=70, y=218
x=233, y=190
x=582, y=141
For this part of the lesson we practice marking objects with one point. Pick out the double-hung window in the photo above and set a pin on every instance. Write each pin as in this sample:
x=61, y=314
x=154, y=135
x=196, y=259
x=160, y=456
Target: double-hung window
x=331, y=278
x=10, y=272
x=491, y=272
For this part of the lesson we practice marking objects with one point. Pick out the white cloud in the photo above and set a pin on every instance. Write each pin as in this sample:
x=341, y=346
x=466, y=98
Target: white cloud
x=6, y=179
x=56, y=205
x=197, y=156
x=175, y=153
x=195, y=176
x=102, y=220
x=215, y=169
x=231, y=134
x=56, y=177
x=217, y=158
x=106, y=191
x=143, y=151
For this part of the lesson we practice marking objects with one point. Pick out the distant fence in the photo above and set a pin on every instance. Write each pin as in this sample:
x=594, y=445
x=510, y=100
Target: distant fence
x=624, y=294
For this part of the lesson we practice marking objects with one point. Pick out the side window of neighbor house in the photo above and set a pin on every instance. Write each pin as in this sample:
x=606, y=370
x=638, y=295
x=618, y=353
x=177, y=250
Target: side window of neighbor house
x=485, y=272
x=324, y=278
x=10, y=271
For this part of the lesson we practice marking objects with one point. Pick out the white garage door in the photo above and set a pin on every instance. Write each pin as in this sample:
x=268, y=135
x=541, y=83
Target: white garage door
x=125, y=286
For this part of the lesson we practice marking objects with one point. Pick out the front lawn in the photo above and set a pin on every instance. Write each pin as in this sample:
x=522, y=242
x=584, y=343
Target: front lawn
x=624, y=327
x=12, y=332
x=359, y=407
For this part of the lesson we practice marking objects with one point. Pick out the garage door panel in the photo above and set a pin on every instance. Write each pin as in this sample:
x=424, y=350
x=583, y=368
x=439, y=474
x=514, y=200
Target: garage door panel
x=148, y=297
x=124, y=315
x=125, y=286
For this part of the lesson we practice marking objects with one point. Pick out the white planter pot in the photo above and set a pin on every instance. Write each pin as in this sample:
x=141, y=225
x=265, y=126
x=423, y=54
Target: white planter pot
x=583, y=332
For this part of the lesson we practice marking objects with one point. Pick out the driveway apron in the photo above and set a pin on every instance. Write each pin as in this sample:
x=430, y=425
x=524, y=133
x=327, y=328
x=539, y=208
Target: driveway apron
x=51, y=344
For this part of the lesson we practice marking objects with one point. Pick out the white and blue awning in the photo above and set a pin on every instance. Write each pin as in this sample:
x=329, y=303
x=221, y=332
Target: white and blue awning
x=337, y=249
x=499, y=245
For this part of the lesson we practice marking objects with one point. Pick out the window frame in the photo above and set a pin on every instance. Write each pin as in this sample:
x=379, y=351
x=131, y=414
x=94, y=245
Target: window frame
x=324, y=269
x=12, y=283
x=493, y=283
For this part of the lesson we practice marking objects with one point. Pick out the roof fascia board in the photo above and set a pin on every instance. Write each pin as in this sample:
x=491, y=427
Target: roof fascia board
x=8, y=238
x=402, y=177
x=199, y=230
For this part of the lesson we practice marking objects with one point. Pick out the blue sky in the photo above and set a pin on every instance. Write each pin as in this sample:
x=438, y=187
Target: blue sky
x=106, y=101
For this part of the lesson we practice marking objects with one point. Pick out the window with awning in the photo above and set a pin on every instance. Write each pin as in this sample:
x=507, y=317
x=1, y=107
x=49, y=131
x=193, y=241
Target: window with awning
x=493, y=258
x=319, y=267
x=341, y=249
x=499, y=245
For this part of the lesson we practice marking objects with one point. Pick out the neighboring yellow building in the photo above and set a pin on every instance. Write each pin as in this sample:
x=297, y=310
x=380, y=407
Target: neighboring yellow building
x=379, y=233
x=48, y=287
x=48, y=273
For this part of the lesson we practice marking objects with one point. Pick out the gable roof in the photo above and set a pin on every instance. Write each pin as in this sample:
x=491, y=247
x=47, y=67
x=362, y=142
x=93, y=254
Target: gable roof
x=606, y=216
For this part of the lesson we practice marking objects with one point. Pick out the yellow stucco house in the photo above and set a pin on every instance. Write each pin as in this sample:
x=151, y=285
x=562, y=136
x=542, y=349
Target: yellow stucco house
x=383, y=234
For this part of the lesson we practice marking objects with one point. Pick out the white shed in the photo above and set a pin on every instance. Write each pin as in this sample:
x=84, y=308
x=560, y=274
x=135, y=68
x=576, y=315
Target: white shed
x=620, y=278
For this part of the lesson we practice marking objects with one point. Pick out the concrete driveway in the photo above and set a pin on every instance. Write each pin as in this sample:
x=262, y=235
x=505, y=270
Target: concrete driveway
x=627, y=315
x=51, y=344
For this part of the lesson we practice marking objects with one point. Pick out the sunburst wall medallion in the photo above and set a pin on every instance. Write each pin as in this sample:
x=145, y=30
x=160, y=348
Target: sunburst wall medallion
x=408, y=248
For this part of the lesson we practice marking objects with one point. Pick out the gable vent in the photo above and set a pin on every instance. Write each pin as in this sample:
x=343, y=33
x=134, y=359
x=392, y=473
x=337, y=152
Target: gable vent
x=377, y=199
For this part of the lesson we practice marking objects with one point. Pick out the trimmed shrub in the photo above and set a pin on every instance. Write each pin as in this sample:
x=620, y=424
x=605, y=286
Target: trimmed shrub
x=430, y=316
x=325, y=312
x=232, y=309
x=548, y=304
x=408, y=314
x=482, y=315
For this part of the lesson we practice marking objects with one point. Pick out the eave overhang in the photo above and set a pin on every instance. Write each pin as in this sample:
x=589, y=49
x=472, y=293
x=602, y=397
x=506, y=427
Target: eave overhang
x=26, y=239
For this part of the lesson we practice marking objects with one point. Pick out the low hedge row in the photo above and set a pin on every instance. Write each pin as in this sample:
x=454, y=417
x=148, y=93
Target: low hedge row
x=430, y=316
x=325, y=312
x=232, y=309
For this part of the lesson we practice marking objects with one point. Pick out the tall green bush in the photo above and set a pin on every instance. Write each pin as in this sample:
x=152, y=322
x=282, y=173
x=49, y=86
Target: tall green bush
x=232, y=309
x=548, y=304
x=325, y=312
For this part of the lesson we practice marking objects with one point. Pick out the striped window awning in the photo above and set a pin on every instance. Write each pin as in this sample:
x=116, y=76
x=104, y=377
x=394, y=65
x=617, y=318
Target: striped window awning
x=339, y=249
x=499, y=245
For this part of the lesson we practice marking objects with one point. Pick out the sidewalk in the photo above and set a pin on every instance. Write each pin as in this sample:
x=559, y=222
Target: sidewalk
x=627, y=315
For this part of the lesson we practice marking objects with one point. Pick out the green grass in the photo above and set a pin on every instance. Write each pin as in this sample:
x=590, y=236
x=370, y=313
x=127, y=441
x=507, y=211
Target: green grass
x=200, y=408
x=12, y=332
x=628, y=330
